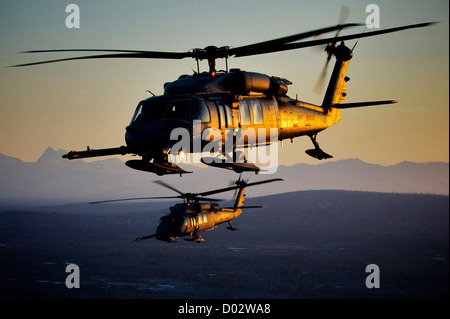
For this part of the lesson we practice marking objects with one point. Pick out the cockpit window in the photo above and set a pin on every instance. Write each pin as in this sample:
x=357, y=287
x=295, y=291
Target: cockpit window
x=179, y=110
x=136, y=113
x=173, y=221
x=154, y=109
x=151, y=109
x=202, y=113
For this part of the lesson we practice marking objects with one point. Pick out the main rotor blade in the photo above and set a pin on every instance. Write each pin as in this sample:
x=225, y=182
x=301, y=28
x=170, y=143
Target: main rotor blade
x=169, y=187
x=206, y=199
x=226, y=189
x=85, y=50
x=247, y=49
x=276, y=45
x=191, y=196
x=180, y=55
x=131, y=54
x=306, y=44
x=129, y=199
x=263, y=182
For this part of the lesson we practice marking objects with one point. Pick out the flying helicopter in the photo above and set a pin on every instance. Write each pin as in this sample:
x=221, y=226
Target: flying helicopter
x=190, y=218
x=230, y=107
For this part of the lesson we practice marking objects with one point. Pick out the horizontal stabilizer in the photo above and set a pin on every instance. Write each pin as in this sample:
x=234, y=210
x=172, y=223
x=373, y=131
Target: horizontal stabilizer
x=362, y=104
x=243, y=207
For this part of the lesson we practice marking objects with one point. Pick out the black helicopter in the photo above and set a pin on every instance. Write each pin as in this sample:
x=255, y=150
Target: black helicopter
x=192, y=217
x=230, y=107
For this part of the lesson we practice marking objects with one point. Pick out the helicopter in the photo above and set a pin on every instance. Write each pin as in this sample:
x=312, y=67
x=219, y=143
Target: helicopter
x=190, y=218
x=226, y=110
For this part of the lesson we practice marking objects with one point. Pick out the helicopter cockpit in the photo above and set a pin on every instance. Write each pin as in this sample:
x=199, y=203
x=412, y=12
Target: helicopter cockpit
x=163, y=108
x=149, y=132
x=171, y=224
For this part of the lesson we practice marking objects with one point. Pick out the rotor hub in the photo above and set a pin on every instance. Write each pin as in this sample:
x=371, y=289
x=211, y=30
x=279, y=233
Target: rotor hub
x=343, y=52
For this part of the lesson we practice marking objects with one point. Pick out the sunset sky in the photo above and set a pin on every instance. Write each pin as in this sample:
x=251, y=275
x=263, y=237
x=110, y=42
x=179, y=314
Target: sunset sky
x=73, y=104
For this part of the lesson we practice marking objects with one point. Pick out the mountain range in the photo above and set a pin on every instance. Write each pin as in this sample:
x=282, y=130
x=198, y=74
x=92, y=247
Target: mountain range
x=54, y=180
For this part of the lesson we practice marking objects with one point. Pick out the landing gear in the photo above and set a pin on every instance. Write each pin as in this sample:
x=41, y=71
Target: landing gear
x=317, y=152
x=239, y=166
x=194, y=237
x=235, y=160
x=160, y=166
x=231, y=227
x=198, y=239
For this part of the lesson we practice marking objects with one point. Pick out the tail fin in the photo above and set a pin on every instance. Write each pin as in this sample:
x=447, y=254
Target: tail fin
x=240, y=198
x=337, y=88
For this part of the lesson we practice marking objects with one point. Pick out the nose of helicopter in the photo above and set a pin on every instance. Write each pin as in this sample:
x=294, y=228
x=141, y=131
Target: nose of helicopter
x=171, y=226
x=140, y=139
x=167, y=233
x=164, y=230
x=143, y=138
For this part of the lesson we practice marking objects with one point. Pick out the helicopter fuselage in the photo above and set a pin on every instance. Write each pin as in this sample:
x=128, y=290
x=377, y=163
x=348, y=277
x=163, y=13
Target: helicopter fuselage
x=241, y=108
x=190, y=219
x=214, y=115
x=219, y=112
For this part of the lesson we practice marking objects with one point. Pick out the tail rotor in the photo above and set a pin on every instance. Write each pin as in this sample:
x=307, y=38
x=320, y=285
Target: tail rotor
x=330, y=50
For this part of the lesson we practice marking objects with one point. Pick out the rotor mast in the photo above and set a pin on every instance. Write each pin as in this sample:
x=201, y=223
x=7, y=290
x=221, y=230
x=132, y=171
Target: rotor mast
x=211, y=53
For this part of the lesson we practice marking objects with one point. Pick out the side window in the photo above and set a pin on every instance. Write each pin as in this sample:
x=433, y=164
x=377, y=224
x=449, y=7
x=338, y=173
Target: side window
x=152, y=109
x=245, y=113
x=136, y=113
x=221, y=114
x=257, y=112
x=229, y=116
x=270, y=104
x=203, y=113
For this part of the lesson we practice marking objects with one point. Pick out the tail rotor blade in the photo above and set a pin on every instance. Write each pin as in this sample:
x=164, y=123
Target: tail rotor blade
x=345, y=12
x=318, y=88
x=330, y=48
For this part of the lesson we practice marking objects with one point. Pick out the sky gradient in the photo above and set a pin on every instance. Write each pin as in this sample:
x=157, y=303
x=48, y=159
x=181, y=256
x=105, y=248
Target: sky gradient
x=74, y=104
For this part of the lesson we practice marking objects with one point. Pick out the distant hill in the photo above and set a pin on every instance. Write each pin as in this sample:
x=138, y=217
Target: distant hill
x=53, y=180
x=303, y=244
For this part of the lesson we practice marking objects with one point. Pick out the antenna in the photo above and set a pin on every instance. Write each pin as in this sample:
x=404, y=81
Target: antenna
x=359, y=38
